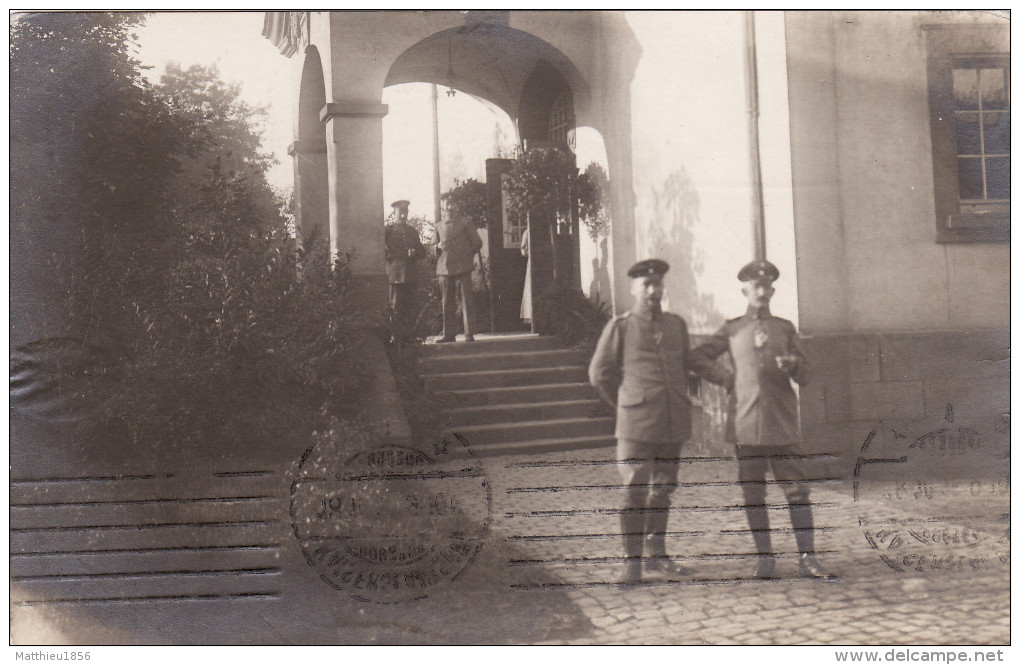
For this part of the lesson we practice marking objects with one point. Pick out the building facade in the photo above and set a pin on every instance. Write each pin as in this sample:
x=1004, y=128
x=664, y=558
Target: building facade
x=884, y=172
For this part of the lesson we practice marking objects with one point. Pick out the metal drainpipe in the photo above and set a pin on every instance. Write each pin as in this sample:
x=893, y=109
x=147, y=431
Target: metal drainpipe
x=435, y=154
x=758, y=200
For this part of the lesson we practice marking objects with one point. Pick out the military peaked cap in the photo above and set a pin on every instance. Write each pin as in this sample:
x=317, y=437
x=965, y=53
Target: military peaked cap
x=648, y=267
x=400, y=204
x=759, y=269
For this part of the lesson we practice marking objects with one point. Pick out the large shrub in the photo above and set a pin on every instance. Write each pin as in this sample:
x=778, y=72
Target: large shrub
x=223, y=340
x=569, y=314
x=469, y=197
x=540, y=180
x=193, y=320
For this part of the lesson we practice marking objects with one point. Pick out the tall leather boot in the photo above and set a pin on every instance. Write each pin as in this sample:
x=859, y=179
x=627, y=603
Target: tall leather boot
x=632, y=528
x=657, y=562
x=803, y=530
x=758, y=521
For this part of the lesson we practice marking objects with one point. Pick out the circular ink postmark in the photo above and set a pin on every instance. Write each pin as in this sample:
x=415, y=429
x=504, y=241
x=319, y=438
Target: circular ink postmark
x=389, y=523
x=935, y=500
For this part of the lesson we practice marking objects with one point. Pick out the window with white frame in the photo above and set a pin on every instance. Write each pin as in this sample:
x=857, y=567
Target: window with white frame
x=969, y=99
x=561, y=120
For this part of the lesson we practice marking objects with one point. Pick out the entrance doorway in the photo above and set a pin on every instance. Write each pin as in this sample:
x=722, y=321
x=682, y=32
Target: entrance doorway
x=527, y=78
x=546, y=121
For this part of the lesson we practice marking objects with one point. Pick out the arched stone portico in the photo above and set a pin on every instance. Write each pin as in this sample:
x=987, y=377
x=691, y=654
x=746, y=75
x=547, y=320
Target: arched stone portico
x=344, y=60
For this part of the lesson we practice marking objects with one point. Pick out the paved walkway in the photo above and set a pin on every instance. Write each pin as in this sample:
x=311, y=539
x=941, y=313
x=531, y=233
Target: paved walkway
x=964, y=600
x=226, y=568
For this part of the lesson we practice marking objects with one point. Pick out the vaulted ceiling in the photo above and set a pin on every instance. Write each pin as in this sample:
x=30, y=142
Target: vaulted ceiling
x=488, y=61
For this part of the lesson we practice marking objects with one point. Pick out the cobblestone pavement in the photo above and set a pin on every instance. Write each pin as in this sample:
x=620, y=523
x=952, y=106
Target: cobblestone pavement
x=558, y=523
x=910, y=568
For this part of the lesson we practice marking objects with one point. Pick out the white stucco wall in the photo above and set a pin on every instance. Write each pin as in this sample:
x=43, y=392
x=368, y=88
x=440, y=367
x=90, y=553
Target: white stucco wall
x=891, y=275
x=691, y=159
x=595, y=255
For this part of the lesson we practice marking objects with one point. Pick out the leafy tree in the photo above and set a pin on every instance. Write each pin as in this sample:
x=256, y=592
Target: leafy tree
x=539, y=181
x=175, y=255
x=593, y=200
x=468, y=196
x=224, y=133
x=91, y=141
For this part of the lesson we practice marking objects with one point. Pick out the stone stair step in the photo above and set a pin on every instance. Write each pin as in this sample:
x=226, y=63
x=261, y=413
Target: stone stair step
x=539, y=446
x=506, y=378
x=521, y=359
x=549, y=392
x=484, y=415
x=503, y=343
x=539, y=429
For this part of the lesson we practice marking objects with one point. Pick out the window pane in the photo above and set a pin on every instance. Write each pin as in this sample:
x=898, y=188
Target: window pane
x=965, y=89
x=969, y=170
x=996, y=133
x=998, y=178
x=993, y=89
x=968, y=135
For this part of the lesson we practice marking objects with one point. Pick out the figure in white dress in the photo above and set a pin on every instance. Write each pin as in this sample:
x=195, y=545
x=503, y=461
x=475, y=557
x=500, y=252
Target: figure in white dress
x=526, y=296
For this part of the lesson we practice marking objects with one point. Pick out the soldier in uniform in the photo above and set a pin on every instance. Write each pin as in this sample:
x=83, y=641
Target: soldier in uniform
x=640, y=368
x=457, y=243
x=403, y=247
x=765, y=357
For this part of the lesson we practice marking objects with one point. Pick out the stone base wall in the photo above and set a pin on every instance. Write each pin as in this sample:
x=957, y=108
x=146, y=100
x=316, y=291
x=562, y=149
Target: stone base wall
x=905, y=383
x=915, y=381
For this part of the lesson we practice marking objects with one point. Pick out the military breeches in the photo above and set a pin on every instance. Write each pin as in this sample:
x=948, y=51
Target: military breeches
x=754, y=462
x=649, y=472
x=400, y=298
x=451, y=286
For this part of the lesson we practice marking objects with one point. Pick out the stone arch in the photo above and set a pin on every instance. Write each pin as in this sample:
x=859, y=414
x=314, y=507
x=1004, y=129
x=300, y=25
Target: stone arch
x=311, y=174
x=544, y=88
x=491, y=61
x=525, y=76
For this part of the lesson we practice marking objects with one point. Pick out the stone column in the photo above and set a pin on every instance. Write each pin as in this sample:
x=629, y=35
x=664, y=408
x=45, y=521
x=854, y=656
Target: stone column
x=311, y=192
x=354, y=158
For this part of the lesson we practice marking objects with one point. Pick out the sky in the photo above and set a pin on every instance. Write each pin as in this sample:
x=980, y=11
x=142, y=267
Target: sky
x=233, y=42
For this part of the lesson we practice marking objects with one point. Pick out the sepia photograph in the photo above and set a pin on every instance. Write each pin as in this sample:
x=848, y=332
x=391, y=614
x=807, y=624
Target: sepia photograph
x=506, y=327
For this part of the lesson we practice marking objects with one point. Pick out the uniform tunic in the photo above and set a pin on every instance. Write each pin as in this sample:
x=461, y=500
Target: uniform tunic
x=458, y=242
x=640, y=366
x=403, y=246
x=766, y=404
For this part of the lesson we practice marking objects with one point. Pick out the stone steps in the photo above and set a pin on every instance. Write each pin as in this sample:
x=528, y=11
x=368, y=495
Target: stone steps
x=505, y=378
x=530, y=430
x=550, y=392
x=497, y=344
x=516, y=394
x=489, y=414
x=529, y=359
x=538, y=446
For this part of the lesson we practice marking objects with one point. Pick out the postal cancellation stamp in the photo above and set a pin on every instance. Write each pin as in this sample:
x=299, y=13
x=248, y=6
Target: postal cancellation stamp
x=935, y=501
x=390, y=523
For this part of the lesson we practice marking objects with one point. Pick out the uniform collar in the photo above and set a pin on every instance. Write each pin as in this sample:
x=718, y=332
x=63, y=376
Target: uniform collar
x=758, y=312
x=648, y=315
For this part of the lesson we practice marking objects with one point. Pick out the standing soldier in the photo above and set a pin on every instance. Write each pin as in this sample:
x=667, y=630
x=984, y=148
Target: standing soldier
x=457, y=242
x=403, y=248
x=766, y=357
x=640, y=368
